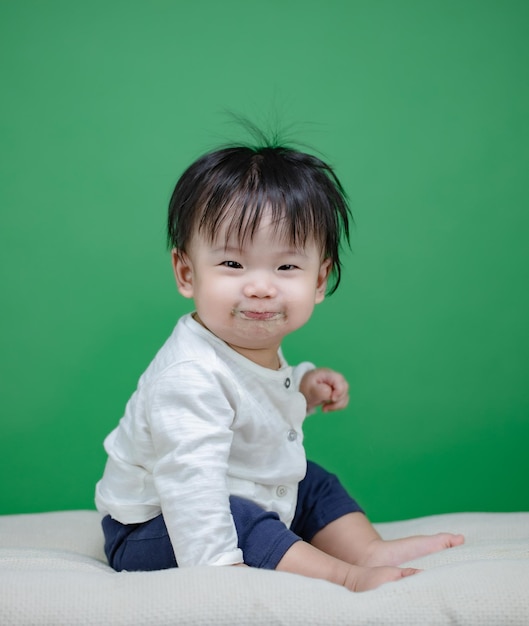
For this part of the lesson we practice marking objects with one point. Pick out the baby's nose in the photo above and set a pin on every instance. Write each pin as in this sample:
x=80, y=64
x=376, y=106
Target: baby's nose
x=260, y=286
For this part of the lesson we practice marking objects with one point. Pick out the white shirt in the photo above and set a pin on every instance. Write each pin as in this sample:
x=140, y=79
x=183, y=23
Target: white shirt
x=205, y=423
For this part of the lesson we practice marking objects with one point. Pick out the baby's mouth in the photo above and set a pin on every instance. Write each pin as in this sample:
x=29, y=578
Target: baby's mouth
x=261, y=316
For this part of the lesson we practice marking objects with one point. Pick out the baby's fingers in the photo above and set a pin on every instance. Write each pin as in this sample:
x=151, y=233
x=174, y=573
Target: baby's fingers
x=335, y=405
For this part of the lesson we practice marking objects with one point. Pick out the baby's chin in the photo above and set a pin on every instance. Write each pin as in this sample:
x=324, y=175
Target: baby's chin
x=261, y=331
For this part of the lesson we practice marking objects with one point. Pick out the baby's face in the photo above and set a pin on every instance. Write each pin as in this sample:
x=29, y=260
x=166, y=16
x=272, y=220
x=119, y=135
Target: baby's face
x=254, y=295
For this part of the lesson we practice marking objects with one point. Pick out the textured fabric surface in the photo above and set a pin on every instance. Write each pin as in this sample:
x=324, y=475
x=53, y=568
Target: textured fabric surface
x=52, y=572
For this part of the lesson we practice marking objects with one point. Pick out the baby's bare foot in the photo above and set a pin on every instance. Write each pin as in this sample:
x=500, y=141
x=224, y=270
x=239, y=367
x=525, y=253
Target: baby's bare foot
x=398, y=551
x=366, y=578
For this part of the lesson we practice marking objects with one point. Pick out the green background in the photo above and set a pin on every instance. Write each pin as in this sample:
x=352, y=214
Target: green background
x=422, y=107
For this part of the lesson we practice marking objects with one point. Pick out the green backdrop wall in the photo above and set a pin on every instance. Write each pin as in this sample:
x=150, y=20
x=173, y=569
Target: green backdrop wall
x=422, y=107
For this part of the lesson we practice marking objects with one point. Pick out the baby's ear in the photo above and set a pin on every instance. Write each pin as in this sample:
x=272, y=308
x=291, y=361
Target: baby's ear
x=323, y=275
x=183, y=272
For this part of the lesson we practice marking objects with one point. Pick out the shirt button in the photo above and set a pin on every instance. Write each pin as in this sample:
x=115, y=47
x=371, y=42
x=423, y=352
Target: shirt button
x=287, y=382
x=292, y=435
x=281, y=491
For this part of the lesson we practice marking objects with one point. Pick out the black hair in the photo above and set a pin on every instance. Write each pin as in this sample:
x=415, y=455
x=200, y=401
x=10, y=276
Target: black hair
x=239, y=184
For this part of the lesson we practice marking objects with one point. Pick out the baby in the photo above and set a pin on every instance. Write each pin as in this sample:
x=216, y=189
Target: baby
x=207, y=465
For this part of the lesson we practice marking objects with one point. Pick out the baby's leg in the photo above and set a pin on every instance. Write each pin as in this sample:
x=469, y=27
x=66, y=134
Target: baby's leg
x=353, y=539
x=303, y=558
x=267, y=543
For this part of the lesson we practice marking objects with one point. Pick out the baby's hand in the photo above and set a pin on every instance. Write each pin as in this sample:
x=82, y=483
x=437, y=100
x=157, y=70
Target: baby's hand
x=325, y=387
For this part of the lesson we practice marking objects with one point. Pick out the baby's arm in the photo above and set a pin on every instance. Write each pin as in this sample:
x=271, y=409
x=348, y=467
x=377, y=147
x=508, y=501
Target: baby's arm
x=190, y=418
x=325, y=387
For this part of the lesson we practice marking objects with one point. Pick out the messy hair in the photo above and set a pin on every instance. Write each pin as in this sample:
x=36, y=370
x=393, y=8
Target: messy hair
x=236, y=186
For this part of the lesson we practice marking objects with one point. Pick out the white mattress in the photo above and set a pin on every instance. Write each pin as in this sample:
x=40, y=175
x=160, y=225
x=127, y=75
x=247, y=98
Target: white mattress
x=53, y=571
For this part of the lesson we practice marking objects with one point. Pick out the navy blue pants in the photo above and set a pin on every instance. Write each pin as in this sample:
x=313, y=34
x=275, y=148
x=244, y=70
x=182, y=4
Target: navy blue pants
x=262, y=536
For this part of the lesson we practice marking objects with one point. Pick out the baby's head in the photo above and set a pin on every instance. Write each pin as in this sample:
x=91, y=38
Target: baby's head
x=235, y=187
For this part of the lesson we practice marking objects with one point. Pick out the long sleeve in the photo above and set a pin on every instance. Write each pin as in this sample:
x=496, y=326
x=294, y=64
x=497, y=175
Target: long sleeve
x=190, y=419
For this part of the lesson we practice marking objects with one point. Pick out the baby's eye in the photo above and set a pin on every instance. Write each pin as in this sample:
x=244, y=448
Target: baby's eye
x=232, y=264
x=287, y=266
